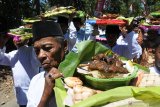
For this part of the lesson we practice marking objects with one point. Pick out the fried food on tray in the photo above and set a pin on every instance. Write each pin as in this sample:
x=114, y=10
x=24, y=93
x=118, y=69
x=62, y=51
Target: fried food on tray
x=77, y=91
x=73, y=81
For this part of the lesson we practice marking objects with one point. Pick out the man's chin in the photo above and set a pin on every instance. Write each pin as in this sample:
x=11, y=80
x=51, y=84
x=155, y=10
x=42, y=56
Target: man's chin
x=47, y=68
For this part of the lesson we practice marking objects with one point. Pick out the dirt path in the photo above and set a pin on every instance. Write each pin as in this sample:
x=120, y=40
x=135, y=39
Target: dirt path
x=7, y=96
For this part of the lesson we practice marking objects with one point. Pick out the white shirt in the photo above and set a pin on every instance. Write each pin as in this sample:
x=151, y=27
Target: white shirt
x=135, y=49
x=71, y=36
x=24, y=65
x=121, y=47
x=36, y=90
x=154, y=70
x=121, y=41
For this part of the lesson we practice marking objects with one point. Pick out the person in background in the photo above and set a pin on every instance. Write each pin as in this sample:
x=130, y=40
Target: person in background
x=64, y=22
x=80, y=28
x=91, y=31
x=156, y=69
x=50, y=47
x=67, y=31
x=134, y=48
x=24, y=66
x=80, y=31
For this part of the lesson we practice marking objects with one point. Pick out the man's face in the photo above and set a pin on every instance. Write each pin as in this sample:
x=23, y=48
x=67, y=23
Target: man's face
x=123, y=30
x=49, y=52
x=157, y=57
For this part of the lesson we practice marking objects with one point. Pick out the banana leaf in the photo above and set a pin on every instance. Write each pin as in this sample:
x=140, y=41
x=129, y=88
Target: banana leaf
x=149, y=95
x=86, y=50
x=155, y=14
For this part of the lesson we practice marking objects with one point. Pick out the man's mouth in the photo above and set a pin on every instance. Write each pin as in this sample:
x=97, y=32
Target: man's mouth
x=45, y=65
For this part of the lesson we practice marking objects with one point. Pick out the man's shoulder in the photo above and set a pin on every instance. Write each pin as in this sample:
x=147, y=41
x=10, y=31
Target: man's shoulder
x=38, y=76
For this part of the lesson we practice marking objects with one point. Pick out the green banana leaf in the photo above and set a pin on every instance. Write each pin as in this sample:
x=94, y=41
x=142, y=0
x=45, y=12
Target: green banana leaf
x=86, y=50
x=150, y=96
x=129, y=19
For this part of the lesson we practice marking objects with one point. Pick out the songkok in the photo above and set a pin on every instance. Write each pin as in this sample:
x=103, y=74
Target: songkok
x=112, y=29
x=43, y=29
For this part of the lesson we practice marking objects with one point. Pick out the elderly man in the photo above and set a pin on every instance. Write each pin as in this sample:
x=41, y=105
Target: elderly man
x=50, y=48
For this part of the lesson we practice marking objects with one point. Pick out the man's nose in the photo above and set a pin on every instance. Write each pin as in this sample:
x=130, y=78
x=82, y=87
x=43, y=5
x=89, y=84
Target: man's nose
x=42, y=54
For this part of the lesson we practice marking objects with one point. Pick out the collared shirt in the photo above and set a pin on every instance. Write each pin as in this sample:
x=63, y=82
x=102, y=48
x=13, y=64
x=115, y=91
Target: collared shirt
x=135, y=49
x=121, y=47
x=35, y=91
x=24, y=66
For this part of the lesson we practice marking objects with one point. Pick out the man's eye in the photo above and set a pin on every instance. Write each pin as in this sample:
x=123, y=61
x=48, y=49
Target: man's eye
x=47, y=48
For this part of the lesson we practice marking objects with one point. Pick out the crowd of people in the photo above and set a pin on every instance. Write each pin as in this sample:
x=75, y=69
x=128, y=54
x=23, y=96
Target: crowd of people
x=52, y=40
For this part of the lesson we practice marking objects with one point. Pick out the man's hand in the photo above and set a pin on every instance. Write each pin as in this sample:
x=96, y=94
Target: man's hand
x=51, y=76
x=49, y=84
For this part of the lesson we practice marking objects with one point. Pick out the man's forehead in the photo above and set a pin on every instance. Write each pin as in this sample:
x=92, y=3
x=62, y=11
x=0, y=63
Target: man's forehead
x=46, y=40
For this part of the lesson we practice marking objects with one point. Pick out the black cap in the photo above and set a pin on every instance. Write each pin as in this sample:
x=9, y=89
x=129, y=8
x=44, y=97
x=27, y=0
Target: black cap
x=3, y=25
x=43, y=29
x=112, y=29
x=62, y=19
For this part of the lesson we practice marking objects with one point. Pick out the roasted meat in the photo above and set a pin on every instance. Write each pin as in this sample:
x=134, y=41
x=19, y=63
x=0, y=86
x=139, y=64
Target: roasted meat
x=98, y=65
x=108, y=64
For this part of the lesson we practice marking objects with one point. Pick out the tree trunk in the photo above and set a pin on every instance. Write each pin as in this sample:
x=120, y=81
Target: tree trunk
x=36, y=6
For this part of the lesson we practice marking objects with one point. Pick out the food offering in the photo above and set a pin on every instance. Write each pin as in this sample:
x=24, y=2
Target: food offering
x=77, y=92
x=106, y=21
x=106, y=72
x=102, y=72
x=93, y=87
x=31, y=19
x=60, y=11
x=155, y=20
x=21, y=33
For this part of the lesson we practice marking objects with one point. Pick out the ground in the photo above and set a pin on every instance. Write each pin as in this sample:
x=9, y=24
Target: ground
x=7, y=96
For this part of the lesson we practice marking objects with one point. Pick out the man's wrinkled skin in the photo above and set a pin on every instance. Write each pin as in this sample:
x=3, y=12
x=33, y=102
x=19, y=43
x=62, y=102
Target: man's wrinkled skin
x=50, y=53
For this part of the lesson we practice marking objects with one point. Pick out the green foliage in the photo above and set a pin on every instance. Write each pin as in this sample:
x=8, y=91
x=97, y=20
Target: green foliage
x=16, y=10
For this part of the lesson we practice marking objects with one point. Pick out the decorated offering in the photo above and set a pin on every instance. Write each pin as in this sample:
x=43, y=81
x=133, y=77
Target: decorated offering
x=88, y=87
x=150, y=27
x=155, y=14
x=76, y=91
x=109, y=16
x=31, y=20
x=59, y=10
x=106, y=21
x=21, y=33
x=106, y=72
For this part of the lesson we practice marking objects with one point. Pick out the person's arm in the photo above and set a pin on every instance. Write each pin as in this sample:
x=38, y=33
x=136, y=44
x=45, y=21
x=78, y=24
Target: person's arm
x=48, y=87
x=3, y=39
x=4, y=58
